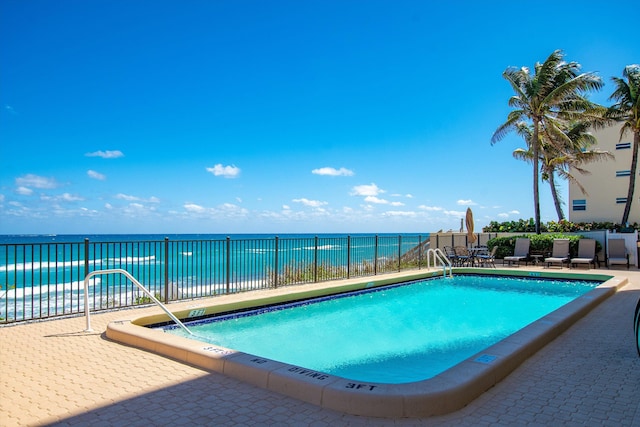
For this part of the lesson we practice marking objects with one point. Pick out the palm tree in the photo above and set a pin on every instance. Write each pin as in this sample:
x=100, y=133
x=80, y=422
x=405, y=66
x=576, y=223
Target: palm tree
x=627, y=110
x=552, y=95
x=560, y=162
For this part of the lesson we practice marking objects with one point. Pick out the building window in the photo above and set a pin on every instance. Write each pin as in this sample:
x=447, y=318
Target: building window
x=579, y=204
x=623, y=145
x=621, y=200
x=623, y=173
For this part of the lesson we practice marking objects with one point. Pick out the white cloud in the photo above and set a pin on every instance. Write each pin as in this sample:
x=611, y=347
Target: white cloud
x=366, y=190
x=109, y=154
x=9, y=109
x=400, y=213
x=126, y=197
x=66, y=197
x=96, y=175
x=130, y=198
x=333, y=171
x=469, y=202
x=377, y=200
x=35, y=181
x=508, y=214
x=86, y=212
x=24, y=191
x=224, y=171
x=310, y=203
x=226, y=210
x=1, y=198
x=430, y=208
x=286, y=207
x=192, y=207
x=137, y=210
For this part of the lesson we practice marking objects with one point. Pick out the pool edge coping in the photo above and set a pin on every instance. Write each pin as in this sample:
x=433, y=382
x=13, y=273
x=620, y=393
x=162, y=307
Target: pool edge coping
x=447, y=392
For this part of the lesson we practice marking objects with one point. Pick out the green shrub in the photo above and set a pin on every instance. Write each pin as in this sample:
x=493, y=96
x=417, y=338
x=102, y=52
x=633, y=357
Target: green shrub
x=564, y=226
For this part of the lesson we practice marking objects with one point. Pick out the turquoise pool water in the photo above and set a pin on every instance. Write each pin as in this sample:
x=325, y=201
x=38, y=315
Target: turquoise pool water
x=395, y=334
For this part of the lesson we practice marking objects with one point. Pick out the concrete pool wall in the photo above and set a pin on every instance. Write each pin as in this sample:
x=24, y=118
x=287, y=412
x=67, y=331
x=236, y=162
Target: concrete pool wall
x=444, y=393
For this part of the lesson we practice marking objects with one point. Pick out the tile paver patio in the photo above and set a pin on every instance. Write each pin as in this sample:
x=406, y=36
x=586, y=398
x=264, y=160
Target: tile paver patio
x=52, y=373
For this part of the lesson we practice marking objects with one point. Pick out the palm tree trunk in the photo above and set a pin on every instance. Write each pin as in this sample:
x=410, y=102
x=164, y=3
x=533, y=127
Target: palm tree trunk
x=632, y=178
x=536, y=194
x=556, y=199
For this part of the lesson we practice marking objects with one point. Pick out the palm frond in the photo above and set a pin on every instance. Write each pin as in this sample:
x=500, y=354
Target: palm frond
x=506, y=127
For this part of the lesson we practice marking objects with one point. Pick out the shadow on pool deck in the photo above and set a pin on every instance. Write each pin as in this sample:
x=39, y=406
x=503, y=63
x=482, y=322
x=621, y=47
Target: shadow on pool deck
x=54, y=375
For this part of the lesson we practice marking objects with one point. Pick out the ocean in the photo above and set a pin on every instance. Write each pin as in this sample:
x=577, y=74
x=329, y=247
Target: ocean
x=43, y=275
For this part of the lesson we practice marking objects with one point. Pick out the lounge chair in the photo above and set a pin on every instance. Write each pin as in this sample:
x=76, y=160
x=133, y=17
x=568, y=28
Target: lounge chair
x=586, y=253
x=520, y=253
x=617, y=253
x=559, y=254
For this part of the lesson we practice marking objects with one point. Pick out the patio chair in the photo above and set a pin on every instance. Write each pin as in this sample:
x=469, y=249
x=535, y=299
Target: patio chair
x=586, y=253
x=486, y=260
x=617, y=253
x=559, y=253
x=451, y=254
x=463, y=256
x=520, y=253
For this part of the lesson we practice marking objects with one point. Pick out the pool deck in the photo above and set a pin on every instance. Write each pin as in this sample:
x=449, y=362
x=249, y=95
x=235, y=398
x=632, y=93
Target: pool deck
x=53, y=373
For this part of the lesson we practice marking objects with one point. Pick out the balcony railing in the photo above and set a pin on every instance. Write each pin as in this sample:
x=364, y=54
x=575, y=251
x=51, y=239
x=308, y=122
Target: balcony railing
x=43, y=280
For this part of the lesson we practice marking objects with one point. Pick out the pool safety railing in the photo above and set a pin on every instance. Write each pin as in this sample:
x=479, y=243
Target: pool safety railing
x=135, y=282
x=45, y=280
x=438, y=255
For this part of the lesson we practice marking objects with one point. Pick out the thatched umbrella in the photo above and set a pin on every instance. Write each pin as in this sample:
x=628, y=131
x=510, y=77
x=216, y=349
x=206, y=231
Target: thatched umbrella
x=469, y=221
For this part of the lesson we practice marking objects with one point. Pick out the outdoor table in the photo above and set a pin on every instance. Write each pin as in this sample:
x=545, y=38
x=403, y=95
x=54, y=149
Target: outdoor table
x=537, y=258
x=474, y=251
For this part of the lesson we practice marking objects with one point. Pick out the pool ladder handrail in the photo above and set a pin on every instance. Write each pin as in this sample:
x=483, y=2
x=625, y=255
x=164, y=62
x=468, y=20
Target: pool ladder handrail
x=438, y=255
x=135, y=282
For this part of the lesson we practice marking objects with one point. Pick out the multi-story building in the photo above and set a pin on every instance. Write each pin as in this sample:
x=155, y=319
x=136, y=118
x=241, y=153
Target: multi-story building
x=607, y=184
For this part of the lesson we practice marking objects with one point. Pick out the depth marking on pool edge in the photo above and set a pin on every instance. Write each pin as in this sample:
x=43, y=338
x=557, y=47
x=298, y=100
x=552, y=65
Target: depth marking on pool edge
x=196, y=313
x=486, y=359
x=217, y=350
x=365, y=387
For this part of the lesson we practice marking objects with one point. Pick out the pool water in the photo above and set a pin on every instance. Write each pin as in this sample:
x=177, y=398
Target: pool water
x=395, y=334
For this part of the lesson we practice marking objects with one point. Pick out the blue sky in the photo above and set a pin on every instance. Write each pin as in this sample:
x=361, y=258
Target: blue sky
x=239, y=116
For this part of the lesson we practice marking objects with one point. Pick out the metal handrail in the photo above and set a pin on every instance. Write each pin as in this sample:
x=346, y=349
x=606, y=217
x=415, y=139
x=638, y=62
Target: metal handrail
x=44, y=280
x=135, y=282
x=438, y=255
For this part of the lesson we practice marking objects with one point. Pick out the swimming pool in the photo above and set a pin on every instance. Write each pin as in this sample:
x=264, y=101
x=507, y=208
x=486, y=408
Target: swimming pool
x=444, y=393
x=394, y=334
